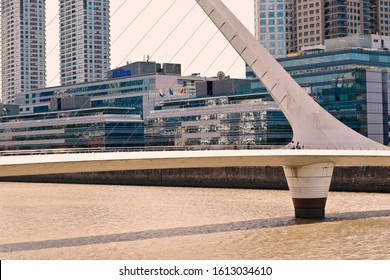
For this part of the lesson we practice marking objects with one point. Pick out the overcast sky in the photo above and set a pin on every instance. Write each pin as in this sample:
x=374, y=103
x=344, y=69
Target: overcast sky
x=123, y=47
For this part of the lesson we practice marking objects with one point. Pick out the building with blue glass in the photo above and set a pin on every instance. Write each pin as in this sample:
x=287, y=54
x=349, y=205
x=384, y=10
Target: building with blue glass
x=160, y=109
x=72, y=128
x=107, y=113
x=352, y=84
x=275, y=26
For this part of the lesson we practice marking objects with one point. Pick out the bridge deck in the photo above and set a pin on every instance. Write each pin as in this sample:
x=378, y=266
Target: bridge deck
x=91, y=162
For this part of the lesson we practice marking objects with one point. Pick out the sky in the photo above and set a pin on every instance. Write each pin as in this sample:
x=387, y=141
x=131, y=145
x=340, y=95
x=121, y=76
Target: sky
x=131, y=41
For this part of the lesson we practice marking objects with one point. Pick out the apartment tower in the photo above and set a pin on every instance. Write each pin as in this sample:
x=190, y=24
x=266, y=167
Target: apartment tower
x=22, y=47
x=84, y=40
x=311, y=22
x=383, y=19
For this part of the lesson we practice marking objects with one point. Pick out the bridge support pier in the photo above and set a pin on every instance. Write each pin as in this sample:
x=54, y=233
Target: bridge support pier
x=309, y=187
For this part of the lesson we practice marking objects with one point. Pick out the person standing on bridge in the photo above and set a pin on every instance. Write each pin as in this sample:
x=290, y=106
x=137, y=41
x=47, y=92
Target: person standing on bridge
x=291, y=145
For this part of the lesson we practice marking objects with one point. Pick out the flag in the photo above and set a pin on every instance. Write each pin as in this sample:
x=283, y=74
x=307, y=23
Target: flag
x=181, y=90
x=170, y=92
x=161, y=93
x=6, y=109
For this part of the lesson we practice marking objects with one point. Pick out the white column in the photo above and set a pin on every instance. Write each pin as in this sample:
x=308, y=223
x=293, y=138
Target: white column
x=309, y=187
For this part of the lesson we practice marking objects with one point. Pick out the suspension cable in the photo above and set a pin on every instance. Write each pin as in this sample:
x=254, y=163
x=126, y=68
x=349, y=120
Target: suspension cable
x=124, y=30
x=173, y=30
x=189, y=38
x=147, y=33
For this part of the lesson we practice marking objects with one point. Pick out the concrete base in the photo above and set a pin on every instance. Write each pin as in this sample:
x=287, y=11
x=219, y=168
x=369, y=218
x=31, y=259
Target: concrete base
x=309, y=187
x=310, y=213
x=309, y=207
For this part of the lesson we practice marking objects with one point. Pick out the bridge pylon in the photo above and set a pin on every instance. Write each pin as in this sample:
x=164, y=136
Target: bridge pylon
x=309, y=187
x=311, y=124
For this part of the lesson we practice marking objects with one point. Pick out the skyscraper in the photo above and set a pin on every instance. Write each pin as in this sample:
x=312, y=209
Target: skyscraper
x=84, y=40
x=22, y=47
x=275, y=26
x=345, y=17
x=311, y=22
x=384, y=17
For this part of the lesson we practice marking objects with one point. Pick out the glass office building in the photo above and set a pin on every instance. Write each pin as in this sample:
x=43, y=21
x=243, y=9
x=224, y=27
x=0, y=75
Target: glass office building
x=140, y=92
x=107, y=113
x=351, y=84
x=228, y=121
x=77, y=128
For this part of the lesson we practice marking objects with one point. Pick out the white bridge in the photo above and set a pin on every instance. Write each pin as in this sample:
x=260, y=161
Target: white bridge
x=308, y=172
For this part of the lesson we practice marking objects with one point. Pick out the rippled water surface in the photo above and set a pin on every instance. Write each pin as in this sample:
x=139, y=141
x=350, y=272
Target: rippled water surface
x=54, y=221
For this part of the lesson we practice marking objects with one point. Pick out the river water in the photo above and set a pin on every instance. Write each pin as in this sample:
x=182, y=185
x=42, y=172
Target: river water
x=59, y=221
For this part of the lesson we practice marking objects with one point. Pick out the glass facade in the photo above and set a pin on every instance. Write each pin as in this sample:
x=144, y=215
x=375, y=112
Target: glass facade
x=274, y=25
x=228, y=120
x=81, y=128
x=350, y=84
x=139, y=92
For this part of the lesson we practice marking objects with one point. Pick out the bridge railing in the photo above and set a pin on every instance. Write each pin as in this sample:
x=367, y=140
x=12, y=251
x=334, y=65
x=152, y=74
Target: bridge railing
x=175, y=148
x=139, y=149
x=333, y=147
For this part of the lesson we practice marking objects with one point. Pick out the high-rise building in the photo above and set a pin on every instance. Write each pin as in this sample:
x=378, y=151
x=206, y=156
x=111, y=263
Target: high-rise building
x=84, y=40
x=275, y=26
x=383, y=17
x=310, y=22
x=343, y=17
x=22, y=47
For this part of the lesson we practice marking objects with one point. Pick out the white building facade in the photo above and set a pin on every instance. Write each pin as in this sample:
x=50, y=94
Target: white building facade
x=84, y=40
x=22, y=47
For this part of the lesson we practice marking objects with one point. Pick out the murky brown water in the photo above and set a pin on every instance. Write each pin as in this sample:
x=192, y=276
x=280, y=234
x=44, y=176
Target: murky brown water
x=54, y=221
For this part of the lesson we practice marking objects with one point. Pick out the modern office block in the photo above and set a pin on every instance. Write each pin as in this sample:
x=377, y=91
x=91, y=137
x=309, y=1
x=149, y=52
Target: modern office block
x=142, y=92
x=352, y=84
x=77, y=128
x=223, y=121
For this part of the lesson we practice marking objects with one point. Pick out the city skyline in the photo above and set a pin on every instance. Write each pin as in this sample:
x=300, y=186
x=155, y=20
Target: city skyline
x=126, y=44
x=121, y=45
